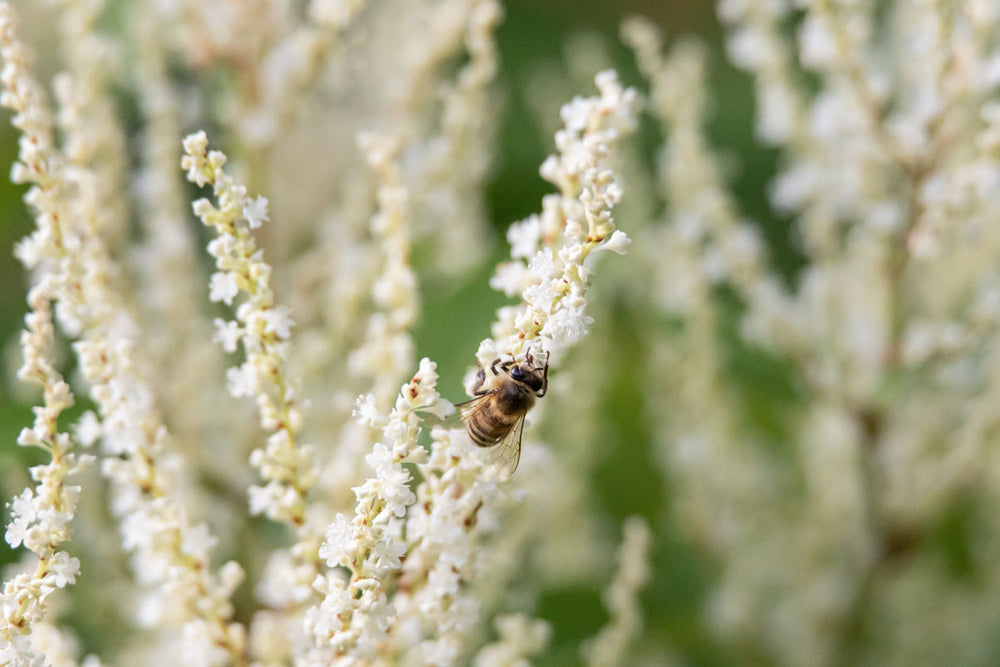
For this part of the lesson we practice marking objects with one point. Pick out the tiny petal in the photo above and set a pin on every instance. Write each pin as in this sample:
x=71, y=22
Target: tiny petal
x=618, y=243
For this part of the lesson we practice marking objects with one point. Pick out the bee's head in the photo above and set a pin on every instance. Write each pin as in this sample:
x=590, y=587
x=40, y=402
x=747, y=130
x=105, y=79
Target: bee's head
x=527, y=376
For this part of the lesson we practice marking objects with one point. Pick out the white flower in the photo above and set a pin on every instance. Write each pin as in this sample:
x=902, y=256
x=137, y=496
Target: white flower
x=224, y=287
x=277, y=320
x=227, y=333
x=365, y=412
x=543, y=264
x=64, y=569
x=265, y=499
x=198, y=541
x=524, y=237
x=442, y=580
x=618, y=243
x=255, y=211
x=88, y=428
x=541, y=295
x=393, y=480
x=568, y=324
x=487, y=352
x=27, y=437
x=511, y=278
x=817, y=45
x=422, y=393
x=241, y=380
x=203, y=208
x=388, y=551
x=339, y=543
x=576, y=113
x=17, y=532
x=223, y=248
x=25, y=505
x=195, y=144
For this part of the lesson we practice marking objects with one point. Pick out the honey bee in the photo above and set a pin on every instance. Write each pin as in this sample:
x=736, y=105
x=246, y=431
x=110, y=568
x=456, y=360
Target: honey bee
x=494, y=417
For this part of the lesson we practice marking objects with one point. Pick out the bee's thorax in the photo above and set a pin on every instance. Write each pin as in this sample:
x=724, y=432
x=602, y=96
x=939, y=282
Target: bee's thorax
x=514, y=398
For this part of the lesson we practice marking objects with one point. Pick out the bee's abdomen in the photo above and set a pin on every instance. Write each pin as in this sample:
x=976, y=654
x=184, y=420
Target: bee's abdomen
x=488, y=428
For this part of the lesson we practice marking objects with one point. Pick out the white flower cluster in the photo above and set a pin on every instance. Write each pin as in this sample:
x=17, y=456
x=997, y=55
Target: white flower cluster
x=387, y=351
x=457, y=165
x=574, y=223
x=40, y=518
x=457, y=511
x=72, y=268
x=520, y=638
x=413, y=555
x=885, y=332
x=622, y=597
x=355, y=613
x=261, y=326
x=706, y=241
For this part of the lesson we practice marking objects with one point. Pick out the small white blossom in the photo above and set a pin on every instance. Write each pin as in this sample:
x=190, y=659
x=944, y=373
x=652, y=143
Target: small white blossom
x=27, y=437
x=277, y=320
x=618, y=243
x=224, y=287
x=365, y=412
x=229, y=334
x=241, y=380
x=339, y=543
x=524, y=237
x=64, y=569
x=88, y=428
x=255, y=211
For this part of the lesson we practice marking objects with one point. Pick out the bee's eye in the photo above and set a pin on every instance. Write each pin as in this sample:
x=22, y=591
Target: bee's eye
x=517, y=374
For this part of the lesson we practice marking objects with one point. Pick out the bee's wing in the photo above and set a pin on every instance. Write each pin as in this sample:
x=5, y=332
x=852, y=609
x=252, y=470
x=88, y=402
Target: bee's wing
x=507, y=454
x=468, y=408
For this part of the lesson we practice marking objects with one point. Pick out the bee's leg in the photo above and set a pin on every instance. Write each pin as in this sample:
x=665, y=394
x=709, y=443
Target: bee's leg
x=480, y=379
x=545, y=380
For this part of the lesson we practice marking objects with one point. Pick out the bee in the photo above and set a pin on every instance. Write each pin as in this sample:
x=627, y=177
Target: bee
x=494, y=417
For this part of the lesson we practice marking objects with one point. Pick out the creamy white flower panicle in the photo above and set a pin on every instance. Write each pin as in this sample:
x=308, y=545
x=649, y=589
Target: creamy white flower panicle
x=356, y=612
x=521, y=638
x=72, y=268
x=386, y=355
x=705, y=242
x=40, y=517
x=621, y=598
x=459, y=155
x=888, y=172
x=90, y=130
x=262, y=327
x=573, y=224
x=454, y=516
